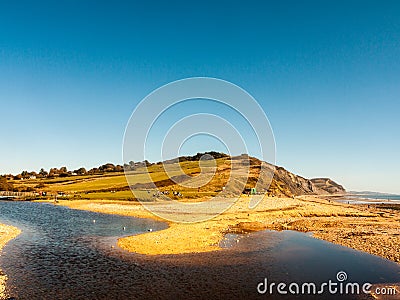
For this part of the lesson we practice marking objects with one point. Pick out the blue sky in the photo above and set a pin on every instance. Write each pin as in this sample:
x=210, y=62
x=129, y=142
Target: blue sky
x=327, y=74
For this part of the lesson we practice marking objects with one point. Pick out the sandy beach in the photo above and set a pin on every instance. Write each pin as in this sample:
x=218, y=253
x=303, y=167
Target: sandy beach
x=7, y=233
x=372, y=230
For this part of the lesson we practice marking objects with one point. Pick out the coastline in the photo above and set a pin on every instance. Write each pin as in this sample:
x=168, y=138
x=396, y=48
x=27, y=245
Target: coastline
x=355, y=226
x=7, y=233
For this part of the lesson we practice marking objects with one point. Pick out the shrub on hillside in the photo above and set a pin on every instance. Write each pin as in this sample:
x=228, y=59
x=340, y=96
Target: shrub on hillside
x=5, y=185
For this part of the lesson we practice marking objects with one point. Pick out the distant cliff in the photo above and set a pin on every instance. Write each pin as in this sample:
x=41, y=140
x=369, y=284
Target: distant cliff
x=291, y=184
x=328, y=185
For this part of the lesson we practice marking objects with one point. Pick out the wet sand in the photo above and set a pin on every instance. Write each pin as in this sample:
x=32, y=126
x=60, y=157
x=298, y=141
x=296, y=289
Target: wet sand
x=7, y=233
x=373, y=230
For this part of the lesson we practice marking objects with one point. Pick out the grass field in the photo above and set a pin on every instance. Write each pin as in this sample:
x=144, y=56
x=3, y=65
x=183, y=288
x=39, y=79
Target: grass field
x=115, y=186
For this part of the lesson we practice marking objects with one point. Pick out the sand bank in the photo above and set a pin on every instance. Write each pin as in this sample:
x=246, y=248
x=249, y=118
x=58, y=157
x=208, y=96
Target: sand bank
x=7, y=233
x=371, y=230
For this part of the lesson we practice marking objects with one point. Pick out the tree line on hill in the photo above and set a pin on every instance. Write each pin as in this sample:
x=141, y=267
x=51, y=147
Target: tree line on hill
x=64, y=172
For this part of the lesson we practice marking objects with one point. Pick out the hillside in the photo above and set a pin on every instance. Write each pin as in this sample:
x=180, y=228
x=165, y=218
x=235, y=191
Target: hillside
x=194, y=177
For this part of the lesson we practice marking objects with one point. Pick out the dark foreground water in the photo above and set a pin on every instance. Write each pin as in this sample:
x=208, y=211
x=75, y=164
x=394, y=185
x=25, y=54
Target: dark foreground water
x=63, y=254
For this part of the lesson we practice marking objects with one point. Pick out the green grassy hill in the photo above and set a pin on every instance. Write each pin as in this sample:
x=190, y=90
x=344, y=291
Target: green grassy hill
x=191, y=177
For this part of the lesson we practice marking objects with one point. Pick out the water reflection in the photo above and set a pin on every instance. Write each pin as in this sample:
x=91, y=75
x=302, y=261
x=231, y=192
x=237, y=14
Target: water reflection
x=63, y=254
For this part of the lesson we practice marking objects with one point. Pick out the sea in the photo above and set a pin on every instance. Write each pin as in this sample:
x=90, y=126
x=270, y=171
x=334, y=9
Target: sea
x=369, y=198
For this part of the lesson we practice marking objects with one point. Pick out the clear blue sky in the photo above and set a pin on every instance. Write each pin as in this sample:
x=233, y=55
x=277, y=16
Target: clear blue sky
x=327, y=74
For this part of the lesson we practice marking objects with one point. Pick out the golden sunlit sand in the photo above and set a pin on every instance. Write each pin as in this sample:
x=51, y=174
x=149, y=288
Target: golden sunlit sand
x=7, y=233
x=367, y=229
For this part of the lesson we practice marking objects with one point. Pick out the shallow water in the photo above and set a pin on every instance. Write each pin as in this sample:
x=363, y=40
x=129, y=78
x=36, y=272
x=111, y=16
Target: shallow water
x=63, y=254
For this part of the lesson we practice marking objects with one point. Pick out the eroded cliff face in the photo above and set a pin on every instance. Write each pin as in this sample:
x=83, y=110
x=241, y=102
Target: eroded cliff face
x=283, y=183
x=328, y=185
x=289, y=184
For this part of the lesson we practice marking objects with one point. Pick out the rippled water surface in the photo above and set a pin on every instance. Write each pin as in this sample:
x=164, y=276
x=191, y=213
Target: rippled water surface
x=63, y=254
